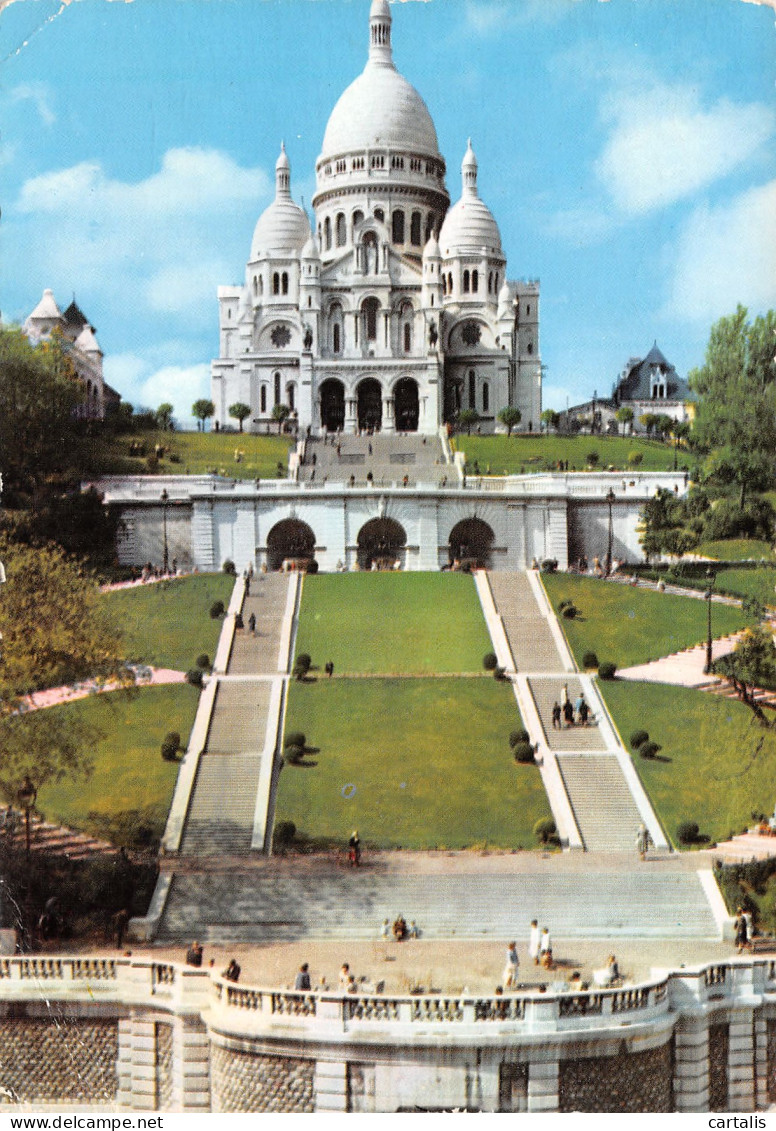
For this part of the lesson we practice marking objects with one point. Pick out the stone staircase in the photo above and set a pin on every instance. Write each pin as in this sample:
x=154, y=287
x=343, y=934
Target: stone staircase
x=239, y=716
x=254, y=654
x=220, y=818
x=606, y=814
x=291, y=900
x=389, y=457
x=529, y=634
x=55, y=839
x=546, y=692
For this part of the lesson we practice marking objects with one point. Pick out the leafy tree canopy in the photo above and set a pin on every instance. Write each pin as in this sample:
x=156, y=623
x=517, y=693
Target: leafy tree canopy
x=240, y=411
x=510, y=417
x=202, y=410
x=752, y=664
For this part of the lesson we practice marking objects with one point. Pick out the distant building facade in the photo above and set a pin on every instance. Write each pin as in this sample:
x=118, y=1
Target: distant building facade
x=394, y=313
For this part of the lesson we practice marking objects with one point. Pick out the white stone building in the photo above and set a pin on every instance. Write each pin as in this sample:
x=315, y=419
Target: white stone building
x=395, y=312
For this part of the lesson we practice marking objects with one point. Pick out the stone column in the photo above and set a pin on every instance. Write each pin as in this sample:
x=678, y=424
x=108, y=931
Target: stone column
x=330, y=1086
x=136, y=1066
x=351, y=414
x=191, y=1066
x=543, y=1084
x=388, y=424
x=741, y=1054
x=761, y=1060
x=691, y=1059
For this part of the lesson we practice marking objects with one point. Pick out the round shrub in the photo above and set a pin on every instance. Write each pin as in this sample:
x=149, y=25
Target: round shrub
x=312, y=567
x=687, y=832
x=648, y=749
x=171, y=746
x=638, y=738
x=285, y=831
x=304, y=660
x=499, y=672
x=296, y=738
x=570, y=612
x=592, y=458
x=229, y=568
x=545, y=830
x=518, y=736
x=607, y=670
x=590, y=660
x=217, y=609
x=203, y=661
x=564, y=604
x=490, y=661
x=523, y=752
x=195, y=677
x=549, y=565
x=293, y=754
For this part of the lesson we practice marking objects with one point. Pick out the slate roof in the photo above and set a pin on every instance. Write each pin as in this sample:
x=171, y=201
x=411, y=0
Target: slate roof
x=636, y=383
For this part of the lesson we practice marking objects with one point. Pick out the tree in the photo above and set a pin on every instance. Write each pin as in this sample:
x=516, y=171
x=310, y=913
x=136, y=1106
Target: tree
x=202, y=410
x=240, y=410
x=624, y=415
x=163, y=416
x=648, y=420
x=752, y=664
x=550, y=419
x=466, y=418
x=510, y=417
x=663, y=425
x=280, y=414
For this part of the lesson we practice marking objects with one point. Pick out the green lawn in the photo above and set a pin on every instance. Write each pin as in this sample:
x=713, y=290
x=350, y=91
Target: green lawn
x=714, y=773
x=411, y=764
x=168, y=624
x=633, y=626
x=759, y=583
x=511, y=455
x=129, y=773
x=194, y=453
x=736, y=550
x=393, y=622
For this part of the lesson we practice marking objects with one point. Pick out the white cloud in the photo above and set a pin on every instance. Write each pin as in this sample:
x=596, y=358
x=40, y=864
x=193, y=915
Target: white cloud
x=485, y=17
x=38, y=94
x=582, y=226
x=726, y=255
x=144, y=383
x=666, y=146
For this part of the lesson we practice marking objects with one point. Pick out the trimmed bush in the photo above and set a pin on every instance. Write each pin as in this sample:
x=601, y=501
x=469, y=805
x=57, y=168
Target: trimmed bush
x=635, y=458
x=518, y=736
x=285, y=831
x=545, y=830
x=171, y=746
x=549, y=565
x=564, y=604
x=592, y=459
x=229, y=568
x=312, y=567
x=649, y=749
x=217, y=610
x=295, y=738
x=687, y=832
x=490, y=661
x=570, y=612
x=607, y=670
x=203, y=661
x=523, y=752
x=293, y=754
x=638, y=738
x=195, y=677
x=499, y=672
x=304, y=660
x=590, y=660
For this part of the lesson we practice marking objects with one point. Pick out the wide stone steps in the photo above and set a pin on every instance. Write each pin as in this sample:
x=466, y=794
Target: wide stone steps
x=546, y=692
x=528, y=631
x=220, y=819
x=285, y=903
x=55, y=839
x=256, y=653
x=239, y=717
x=388, y=457
x=606, y=814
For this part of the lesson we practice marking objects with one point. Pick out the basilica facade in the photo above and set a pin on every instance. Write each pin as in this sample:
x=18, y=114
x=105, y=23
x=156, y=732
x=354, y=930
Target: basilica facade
x=393, y=312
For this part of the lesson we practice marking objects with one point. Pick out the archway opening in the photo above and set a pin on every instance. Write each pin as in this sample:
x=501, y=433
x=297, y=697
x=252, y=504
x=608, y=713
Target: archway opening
x=332, y=405
x=290, y=543
x=406, y=405
x=471, y=544
x=381, y=544
x=370, y=405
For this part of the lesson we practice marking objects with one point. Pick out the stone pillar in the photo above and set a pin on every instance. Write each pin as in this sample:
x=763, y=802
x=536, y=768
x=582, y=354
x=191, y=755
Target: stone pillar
x=691, y=1060
x=136, y=1066
x=389, y=423
x=351, y=414
x=330, y=1086
x=191, y=1066
x=543, y=1084
x=761, y=1061
x=741, y=1055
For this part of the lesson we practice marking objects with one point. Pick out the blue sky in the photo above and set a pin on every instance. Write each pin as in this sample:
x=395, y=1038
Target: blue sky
x=626, y=149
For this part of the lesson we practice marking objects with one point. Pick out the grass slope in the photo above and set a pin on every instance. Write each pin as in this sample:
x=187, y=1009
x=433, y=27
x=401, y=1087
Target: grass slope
x=713, y=773
x=393, y=623
x=633, y=626
x=129, y=773
x=198, y=453
x=511, y=455
x=736, y=550
x=168, y=624
x=411, y=764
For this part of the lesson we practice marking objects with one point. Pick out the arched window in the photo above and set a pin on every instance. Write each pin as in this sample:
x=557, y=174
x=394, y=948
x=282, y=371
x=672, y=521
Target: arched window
x=495, y=283
x=263, y=399
x=335, y=321
x=290, y=394
x=358, y=217
x=370, y=309
x=336, y=338
x=444, y=283
x=341, y=232
x=276, y=284
x=277, y=388
x=380, y=215
x=398, y=226
x=472, y=389
x=450, y=283
x=327, y=234
x=430, y=225
x=415, y=229
x=529, y=348
x=466, y=282
x=475, y=281
x=407, y=337
x=528, y=310
x=485, y=396
x=255, y=289
x=285, y=282
x=490, y=282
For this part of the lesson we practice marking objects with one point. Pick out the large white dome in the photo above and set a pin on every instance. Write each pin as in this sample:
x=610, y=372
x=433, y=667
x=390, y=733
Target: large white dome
x=469, y=225
x=380, y=109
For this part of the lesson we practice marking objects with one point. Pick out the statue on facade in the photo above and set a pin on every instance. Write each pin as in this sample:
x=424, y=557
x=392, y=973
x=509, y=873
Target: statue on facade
x=433, y=334
x=308, y=337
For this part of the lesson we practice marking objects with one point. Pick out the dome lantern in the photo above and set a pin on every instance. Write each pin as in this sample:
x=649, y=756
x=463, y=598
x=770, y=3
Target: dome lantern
x=469, y=171
x=380, y=51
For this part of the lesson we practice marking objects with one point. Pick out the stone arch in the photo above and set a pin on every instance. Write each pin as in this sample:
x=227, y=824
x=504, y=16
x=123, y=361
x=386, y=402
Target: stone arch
x=290, y=540
x=381, y=543
x=406, y=405
x=471, y=543
x=370, y=404
x=332, y=405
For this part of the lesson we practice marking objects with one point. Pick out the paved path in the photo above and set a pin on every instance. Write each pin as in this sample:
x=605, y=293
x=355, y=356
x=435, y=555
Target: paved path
x=54, y=696
x=388, y=457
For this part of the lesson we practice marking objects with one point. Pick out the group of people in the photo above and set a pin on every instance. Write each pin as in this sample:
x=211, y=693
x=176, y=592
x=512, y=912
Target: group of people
x=539, y=952
x=400, y=930
x=568, y=713
x=744, y=929
x=194, y=956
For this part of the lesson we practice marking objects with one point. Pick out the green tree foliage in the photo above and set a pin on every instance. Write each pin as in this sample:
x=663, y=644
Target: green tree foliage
x=550, y=419
x=510, y=417
x=202, y=410
x=736, y=411
x=752, y=664
x=280, y=415
x=163, y=417
x=625, y=416
x=466, y=418
x=77, y=520
x=240, y=411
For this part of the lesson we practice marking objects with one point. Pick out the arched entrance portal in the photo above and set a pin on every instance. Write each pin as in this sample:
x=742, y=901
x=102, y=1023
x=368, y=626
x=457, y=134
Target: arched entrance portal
x=381, y=543
x=332, y=405
x=290, y=541
x=370, y=404
x=406, y=405
x=471, y=541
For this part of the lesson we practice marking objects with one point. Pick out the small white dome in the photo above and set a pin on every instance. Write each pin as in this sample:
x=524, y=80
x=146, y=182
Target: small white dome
x=469, y=225
x=505, y=294
x=431, y=250
x=284, y=226
x=310, y=249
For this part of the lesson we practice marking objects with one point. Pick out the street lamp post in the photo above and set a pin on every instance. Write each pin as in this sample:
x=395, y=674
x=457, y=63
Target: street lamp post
x=707, y=597
x=165, y=562
x=610, y=501
x=27, y=796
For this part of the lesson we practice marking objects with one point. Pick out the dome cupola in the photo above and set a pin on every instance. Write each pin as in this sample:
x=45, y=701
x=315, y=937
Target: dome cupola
x=469, y=226
x=283, y=228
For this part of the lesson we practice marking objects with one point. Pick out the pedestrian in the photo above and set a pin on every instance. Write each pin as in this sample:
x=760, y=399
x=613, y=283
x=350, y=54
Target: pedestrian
x=545, y=949
x=120, y=920
x=511, y=967
x=643, y=841
x=584, y=712
x=564, y=691
x=385, y=930
x=354, y=849
x=232, y=972
x=330, y=668
x=742, y=938
x=568, y=713
x=534, y=942
x=578, y=704
x=303, y=978
x=252, y=624
x=370, y=449
x=556, y=725
x=344, y=976
x=194, y=955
